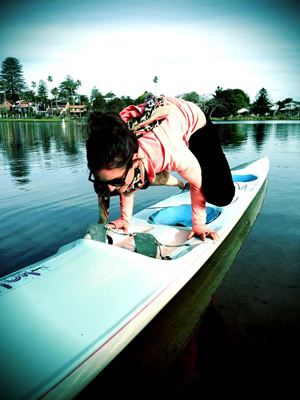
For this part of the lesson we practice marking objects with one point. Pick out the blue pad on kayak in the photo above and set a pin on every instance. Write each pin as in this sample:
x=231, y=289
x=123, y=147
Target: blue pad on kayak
x=180, y=215
x=244, y=178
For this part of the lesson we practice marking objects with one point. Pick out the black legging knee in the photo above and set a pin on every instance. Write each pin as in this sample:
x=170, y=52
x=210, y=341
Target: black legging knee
x=217, y=184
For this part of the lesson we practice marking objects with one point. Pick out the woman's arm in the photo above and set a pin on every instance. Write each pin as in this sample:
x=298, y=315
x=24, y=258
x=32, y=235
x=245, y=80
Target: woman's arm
x=192, y=173
x=126, y=204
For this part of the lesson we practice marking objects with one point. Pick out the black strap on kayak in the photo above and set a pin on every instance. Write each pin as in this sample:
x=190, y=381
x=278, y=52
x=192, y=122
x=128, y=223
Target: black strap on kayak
x=145, y=243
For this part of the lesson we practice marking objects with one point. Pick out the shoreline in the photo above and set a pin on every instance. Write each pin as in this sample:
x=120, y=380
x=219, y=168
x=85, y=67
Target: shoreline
x=84, y=119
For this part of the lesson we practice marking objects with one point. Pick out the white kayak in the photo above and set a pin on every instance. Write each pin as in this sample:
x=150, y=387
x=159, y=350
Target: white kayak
x=65, y=318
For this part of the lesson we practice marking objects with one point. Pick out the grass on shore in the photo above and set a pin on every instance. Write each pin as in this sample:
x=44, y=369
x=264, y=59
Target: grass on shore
x=237, y=118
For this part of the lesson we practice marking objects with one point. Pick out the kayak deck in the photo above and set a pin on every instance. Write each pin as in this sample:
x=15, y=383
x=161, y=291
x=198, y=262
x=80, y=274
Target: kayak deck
x=159, y=241
x=78, y=309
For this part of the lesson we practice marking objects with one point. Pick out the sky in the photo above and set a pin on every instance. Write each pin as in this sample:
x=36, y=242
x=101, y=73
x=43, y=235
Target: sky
x=190, y=45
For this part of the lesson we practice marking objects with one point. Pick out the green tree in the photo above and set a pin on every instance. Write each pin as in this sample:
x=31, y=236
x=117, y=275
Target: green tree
x=42, y=93
x=110, y=95
x=84, y=99
x=127, y=101
x=55, y=93
x=99, y=103
x=141, y=99
x=116, y=104
x=94, y=93
x=68, y=87
x=191, y=96
x=28, y=95
x=282, y=103
x=203, y=102
x=215, y=104
x=12, y=73
x=78, y=84
x=4, y=86
x=33, y=85
x=262, y=104
x=228, y=102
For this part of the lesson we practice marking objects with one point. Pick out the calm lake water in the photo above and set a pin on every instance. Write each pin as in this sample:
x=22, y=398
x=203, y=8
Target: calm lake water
x=46, y=201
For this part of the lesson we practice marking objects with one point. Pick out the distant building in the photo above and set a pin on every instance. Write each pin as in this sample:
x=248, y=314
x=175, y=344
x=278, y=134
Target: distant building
x=22, y=106
x=78, y=110
x=274, y=108
x=243, y=111
x=6, y=104
x=291, y=108
x=58, y=107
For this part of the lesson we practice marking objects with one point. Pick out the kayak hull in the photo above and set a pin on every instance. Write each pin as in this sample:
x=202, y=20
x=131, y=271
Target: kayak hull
x=65, y=318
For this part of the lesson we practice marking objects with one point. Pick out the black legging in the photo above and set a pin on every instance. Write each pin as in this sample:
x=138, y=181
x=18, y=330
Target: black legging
x=217, y=184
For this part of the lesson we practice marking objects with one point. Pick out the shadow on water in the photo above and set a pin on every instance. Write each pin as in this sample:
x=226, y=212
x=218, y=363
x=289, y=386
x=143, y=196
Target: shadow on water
x=169, y=358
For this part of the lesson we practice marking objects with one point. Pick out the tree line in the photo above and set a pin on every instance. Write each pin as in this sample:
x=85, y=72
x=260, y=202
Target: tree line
x=222, y=103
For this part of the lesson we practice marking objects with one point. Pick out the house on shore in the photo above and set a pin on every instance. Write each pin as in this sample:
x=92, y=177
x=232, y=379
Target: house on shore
x=78, y=110
x=5, y=107
x=23, y=107
x=63, y=107
x=244, y=111
x=274, y=108
x=58, y=107
x=291, y=108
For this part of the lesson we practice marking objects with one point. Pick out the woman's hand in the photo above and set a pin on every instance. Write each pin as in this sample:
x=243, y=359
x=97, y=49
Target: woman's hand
x=203, y=231
x=180, y=184
x=183, y=186
x=165, y=178
x=119, y=224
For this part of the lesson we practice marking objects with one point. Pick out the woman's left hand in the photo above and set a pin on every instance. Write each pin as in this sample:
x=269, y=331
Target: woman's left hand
x=203, y=231
x=120, y=223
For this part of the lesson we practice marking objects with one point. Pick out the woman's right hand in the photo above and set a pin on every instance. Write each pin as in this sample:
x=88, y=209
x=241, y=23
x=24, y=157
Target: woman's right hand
x=203, y=231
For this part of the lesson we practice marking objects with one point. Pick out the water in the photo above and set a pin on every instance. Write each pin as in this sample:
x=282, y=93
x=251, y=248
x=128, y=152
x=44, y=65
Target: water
x=46, y=201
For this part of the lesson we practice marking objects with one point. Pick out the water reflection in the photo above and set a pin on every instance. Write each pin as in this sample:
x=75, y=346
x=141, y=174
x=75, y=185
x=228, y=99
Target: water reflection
x=16, y=150
x=261, y=133
x=46, y=162
x=283, y=134
x=58, y=204
x=25, y=146
x=232, y=135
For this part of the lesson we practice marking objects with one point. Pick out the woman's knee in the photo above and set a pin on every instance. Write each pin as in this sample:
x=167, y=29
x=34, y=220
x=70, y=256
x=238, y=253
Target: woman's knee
x=221, y=198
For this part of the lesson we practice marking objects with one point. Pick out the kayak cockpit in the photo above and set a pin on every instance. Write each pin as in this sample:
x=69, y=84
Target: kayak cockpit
x=167, y=242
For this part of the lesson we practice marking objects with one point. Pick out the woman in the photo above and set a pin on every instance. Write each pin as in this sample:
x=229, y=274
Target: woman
x=138, y=147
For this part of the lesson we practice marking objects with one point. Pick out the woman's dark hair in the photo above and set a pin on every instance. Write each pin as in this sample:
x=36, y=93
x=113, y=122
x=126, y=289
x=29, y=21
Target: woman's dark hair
x=110, y=143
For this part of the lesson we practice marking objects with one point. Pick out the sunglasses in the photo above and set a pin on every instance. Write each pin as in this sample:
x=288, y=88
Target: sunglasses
x=117, y=182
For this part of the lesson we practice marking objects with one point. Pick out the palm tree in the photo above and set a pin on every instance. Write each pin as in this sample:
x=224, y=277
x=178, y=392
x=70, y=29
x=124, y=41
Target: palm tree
x=155, y=80
x=50, y=79
x=78, y=83
x=33, y=85
x=54, y=93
